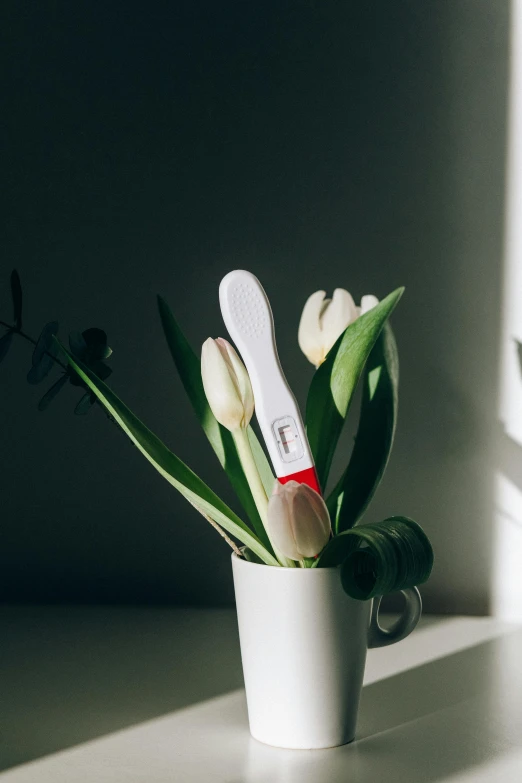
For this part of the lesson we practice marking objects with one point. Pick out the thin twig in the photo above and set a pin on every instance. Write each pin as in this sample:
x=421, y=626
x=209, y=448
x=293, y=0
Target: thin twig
x=219, y=530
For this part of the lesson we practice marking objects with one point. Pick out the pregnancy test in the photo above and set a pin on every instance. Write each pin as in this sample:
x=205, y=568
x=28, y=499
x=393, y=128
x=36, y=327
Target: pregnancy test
x=248, y=317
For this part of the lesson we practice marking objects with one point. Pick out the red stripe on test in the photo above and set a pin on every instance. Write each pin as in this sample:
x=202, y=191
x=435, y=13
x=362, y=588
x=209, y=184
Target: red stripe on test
x=308, y=476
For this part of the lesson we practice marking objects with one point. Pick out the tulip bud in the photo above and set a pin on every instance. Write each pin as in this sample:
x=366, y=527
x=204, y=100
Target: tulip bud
x=298, y=522
x=226, y=383
x=322, y=321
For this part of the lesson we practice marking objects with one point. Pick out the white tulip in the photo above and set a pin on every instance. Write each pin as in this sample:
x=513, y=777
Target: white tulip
x=324, y=320
x=231, y=399
x=368, y=302
x=298, y=522
x=226, y=383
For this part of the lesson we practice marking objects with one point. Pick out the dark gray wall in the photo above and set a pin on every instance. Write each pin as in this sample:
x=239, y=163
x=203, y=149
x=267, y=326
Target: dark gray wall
x=152, y=147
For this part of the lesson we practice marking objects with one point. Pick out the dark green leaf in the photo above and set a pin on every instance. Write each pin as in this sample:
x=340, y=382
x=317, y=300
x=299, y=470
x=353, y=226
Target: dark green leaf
x=96, y=345
x=95, y=338
x=5, y=344
x=334, y=383
x=85, y=404
x=43, y=353
x=188, y=366
x=16, y=292
x=99, y=368
x=380, y=558
x=53, y=391
x=77, y=344
x=374, y=438
x=170, y=466
x=251, y=556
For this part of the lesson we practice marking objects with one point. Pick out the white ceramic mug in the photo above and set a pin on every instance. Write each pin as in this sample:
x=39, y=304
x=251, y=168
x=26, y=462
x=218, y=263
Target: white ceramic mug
x=303, y=648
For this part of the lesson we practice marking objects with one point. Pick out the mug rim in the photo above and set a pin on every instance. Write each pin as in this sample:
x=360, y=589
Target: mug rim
x=244, y=562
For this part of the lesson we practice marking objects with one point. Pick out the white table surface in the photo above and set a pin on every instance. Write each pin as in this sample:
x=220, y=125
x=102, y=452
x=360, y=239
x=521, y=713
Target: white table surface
x=106, y=695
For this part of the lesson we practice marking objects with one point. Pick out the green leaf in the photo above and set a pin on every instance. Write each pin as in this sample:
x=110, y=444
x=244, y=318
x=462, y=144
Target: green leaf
x=169, y=466
x=263, y=466
x=16, y=293
x=334, y=383
x=251, y=557
x=77, y=344
x=53, y=391
x=374, y=439
x=43, y=353
x=96, y=344
x=188, y=366
x=84, y=405
x=380, y=558
x=5, y=344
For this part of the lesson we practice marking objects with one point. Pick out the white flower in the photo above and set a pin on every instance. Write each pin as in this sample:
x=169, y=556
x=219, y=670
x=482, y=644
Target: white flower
x=368, y=302
x=226, y=383
x=323, y=320
x=298, y=521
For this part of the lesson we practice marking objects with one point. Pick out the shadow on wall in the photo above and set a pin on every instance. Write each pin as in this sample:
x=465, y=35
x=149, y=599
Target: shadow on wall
x=318, y=145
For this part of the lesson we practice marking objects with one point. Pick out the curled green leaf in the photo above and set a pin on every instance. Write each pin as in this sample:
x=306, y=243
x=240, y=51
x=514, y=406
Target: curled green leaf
x=380, y=558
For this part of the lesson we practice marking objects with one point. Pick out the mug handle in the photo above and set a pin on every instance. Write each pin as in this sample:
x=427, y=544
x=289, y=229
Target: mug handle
x=380, y=637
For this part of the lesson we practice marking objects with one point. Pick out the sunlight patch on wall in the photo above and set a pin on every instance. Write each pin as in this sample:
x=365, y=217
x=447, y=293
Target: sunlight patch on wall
x=507, y=572
x=507, y=564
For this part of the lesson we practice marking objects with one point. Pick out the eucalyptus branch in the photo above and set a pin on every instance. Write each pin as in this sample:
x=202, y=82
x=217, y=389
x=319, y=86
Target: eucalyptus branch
x=28, y=337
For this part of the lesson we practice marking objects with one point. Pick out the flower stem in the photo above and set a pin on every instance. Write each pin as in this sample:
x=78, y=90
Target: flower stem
x=256, y=485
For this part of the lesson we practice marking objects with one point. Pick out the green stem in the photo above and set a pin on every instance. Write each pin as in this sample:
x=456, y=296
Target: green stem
x=256, y=486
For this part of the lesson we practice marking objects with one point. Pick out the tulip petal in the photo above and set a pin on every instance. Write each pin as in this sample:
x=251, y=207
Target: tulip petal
x=311, y=523
x=220, y=386
x=279, y=527
x=320, y=508
x=340, y=313
x=240, y=378
x=368, y=302
x=298, y=520
x=309, y=334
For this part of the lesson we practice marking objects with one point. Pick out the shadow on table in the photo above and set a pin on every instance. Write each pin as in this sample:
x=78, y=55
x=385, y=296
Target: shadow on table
x=426, y=724
x=71, y=674
x=76, y=675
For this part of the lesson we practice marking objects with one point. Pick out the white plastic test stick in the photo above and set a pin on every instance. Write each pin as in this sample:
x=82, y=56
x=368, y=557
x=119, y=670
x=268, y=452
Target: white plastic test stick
x=248, y=317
